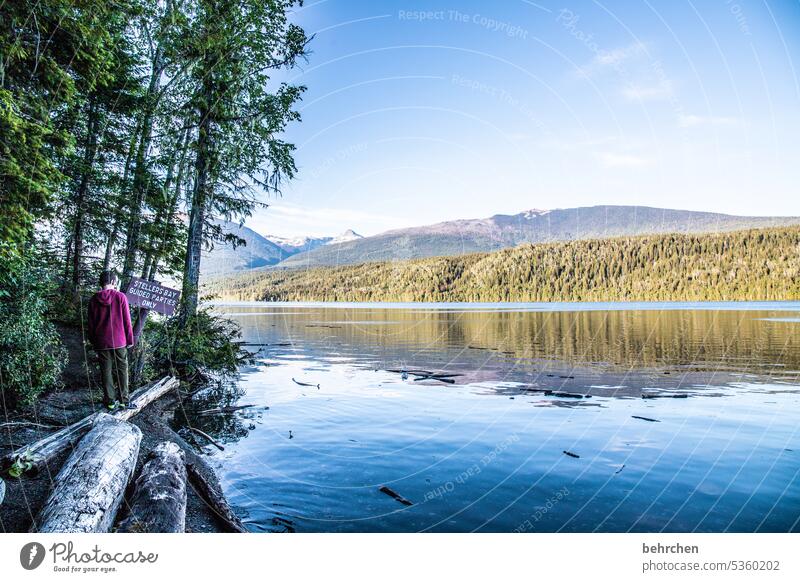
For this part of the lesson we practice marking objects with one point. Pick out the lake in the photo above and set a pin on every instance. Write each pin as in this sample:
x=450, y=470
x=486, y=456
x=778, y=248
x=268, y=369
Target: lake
x=557, y=417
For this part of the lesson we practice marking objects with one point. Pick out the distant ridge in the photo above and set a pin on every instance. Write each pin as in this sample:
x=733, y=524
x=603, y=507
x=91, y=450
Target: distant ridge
x=746, y=265
x=500, y=231
x=260, y=251
x=256, y=252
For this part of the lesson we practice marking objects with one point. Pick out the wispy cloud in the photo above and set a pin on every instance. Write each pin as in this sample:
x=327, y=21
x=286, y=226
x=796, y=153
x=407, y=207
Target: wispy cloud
x=643, y=79
x=617, y=160
x=609, y=151
x=324, y=214
x=612, y=59
x=286, y=220
x=619, y=55
x=660, y=90
x=695, y=120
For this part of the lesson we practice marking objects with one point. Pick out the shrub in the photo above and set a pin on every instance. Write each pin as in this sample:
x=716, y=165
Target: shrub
x=31, y=354
x=208, y=344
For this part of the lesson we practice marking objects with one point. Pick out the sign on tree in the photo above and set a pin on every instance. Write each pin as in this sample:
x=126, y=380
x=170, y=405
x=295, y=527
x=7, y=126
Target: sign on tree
x=152, y=295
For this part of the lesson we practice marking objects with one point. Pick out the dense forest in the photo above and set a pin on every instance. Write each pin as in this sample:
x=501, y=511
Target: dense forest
x=762, y=264
x=127, y=129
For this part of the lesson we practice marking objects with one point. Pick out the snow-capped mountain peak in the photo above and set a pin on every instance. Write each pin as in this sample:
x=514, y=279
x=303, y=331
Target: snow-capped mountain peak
x=299, y=244
x=534, y=212
x=347, y=235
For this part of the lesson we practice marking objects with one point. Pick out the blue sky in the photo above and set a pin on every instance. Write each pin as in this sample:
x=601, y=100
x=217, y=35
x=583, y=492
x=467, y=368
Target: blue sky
x=418, y=112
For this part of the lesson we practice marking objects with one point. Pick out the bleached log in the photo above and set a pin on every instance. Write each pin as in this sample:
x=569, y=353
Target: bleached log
x=35, y=456
x=214, y=498
x=146, y=395
x=159, y=498
x=89, y=488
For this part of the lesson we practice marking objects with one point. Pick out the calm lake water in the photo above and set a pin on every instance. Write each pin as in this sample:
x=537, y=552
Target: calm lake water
x=713, y=446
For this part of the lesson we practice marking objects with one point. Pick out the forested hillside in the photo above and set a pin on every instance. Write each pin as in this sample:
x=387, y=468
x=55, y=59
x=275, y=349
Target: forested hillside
x=744, y=265
x=460, y=237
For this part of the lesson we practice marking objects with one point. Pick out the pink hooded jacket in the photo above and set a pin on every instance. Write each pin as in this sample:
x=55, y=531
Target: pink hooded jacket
x=109, y=320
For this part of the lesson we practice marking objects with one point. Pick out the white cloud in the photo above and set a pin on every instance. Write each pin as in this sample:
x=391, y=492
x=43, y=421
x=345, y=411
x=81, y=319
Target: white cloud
x=642, y=92
x=323, y=214
x=615, y=59
x=617, y=160
x=619, y=55
x=643, y=78
x=291, y=220
x=695, y=120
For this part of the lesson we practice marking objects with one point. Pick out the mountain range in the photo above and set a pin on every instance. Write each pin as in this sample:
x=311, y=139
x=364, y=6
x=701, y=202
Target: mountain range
x=259, y=250
x=308, y=243
x=477, y=235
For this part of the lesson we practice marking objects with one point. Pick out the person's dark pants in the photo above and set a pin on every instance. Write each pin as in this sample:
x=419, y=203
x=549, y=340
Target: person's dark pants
x=114, y=374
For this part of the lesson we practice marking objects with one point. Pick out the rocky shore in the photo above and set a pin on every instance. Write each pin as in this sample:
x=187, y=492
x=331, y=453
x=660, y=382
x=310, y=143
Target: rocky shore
x=25, y=496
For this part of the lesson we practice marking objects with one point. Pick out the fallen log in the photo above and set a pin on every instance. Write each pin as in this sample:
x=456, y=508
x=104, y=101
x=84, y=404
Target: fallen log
x=226, y=409
x=412, y=371
x=444, y=379
x=35, y=456
x=215, y=500
x=2, y=491
x=208, y=437
x=305, y=384
x=394, y=495
x=645, y=418
x=91, y=485
x=146, y=395
x=27, y=423
x=159, y=498
x=651, y=396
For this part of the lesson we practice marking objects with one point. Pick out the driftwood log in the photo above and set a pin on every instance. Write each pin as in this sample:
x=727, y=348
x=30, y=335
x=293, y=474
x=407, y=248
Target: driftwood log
x=35, y=456
x=2, y=491
x=226, y=409
x=146, y=395
x=91, y=485
x=215, y=500
x=208, y=437
x=159, y=498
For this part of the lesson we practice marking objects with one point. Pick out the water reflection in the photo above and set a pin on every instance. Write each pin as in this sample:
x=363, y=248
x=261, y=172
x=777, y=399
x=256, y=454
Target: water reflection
x=673, y=420
x=704, y=340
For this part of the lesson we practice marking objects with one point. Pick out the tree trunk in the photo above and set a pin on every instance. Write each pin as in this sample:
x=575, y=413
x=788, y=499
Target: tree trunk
x=35, y=456
x=200, y=197
x=148, y=261
x=120, y=201
x=140, y=172
x=90, y=150
x=137, y=354
x=136, y=202
x=91, y=485
x=159, y=498
x=172, y=205
x=215, y=499
x=67, y=264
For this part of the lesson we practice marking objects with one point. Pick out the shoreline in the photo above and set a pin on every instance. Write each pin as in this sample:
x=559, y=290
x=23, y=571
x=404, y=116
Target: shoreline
x=59, y=407
x=742, y=305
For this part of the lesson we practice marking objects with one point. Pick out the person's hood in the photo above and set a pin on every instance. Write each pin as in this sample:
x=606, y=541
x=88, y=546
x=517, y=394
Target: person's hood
x=106, y=296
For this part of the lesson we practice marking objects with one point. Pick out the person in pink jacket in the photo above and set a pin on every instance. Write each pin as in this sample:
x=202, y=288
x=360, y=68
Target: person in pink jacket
x=111, y=334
